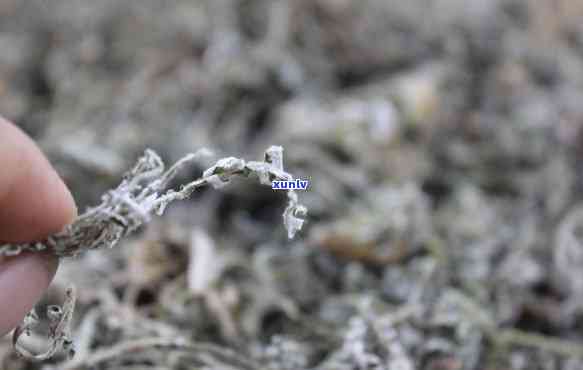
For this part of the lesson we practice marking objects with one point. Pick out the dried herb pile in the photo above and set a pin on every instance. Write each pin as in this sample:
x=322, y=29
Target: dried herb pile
x=442, y=139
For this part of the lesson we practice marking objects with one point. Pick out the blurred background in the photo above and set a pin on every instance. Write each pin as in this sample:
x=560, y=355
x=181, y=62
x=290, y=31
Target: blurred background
x=442, y=138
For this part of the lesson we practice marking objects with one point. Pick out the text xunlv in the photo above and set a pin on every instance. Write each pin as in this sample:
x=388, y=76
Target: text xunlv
x=296, y=184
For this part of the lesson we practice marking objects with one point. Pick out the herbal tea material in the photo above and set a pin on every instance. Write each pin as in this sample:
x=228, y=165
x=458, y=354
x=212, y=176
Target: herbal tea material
x=443, y=145
x=142, y=193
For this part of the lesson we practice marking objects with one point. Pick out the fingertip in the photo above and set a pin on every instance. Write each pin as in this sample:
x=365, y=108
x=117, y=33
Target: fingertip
x=34, y=201
x=59, y=202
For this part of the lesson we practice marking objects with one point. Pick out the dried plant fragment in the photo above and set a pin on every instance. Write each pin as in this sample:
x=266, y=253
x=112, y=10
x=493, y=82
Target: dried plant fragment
x=124, y=209
x=143, y=193
x=59, y=329
x=292, y=215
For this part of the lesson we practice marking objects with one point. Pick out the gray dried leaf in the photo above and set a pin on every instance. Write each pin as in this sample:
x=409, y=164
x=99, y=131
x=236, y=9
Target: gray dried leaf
x=59, y=329
x=143, y=193
x=124, y=209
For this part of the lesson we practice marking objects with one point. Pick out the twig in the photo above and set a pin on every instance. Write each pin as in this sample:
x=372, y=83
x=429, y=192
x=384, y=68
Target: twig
x=540, y=342
x=124, y=209
x=141, y=345
x=142, y=193
x=59, y=329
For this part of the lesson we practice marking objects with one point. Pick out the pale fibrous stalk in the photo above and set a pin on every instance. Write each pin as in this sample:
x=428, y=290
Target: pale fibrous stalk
x=142, y=193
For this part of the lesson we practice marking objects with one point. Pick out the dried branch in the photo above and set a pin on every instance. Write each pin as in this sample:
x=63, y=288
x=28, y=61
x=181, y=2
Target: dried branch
x=142, y=193
x=129, y=206
x=59, y=329
x=117, y=351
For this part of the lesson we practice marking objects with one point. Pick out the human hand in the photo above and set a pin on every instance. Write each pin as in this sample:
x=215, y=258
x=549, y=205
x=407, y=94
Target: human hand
x=34, y=203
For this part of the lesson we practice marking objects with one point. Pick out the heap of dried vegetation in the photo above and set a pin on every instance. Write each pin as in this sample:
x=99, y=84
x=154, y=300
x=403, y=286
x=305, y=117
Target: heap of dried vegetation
x=442, y=138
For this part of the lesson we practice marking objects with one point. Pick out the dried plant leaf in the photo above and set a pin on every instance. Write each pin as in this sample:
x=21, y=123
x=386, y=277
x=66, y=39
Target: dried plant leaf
x=59, y=329
x=129, y=206
x=143, y=193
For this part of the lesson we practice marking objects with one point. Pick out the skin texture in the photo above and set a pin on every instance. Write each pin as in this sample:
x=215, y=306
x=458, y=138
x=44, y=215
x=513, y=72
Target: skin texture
x=34, y=203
